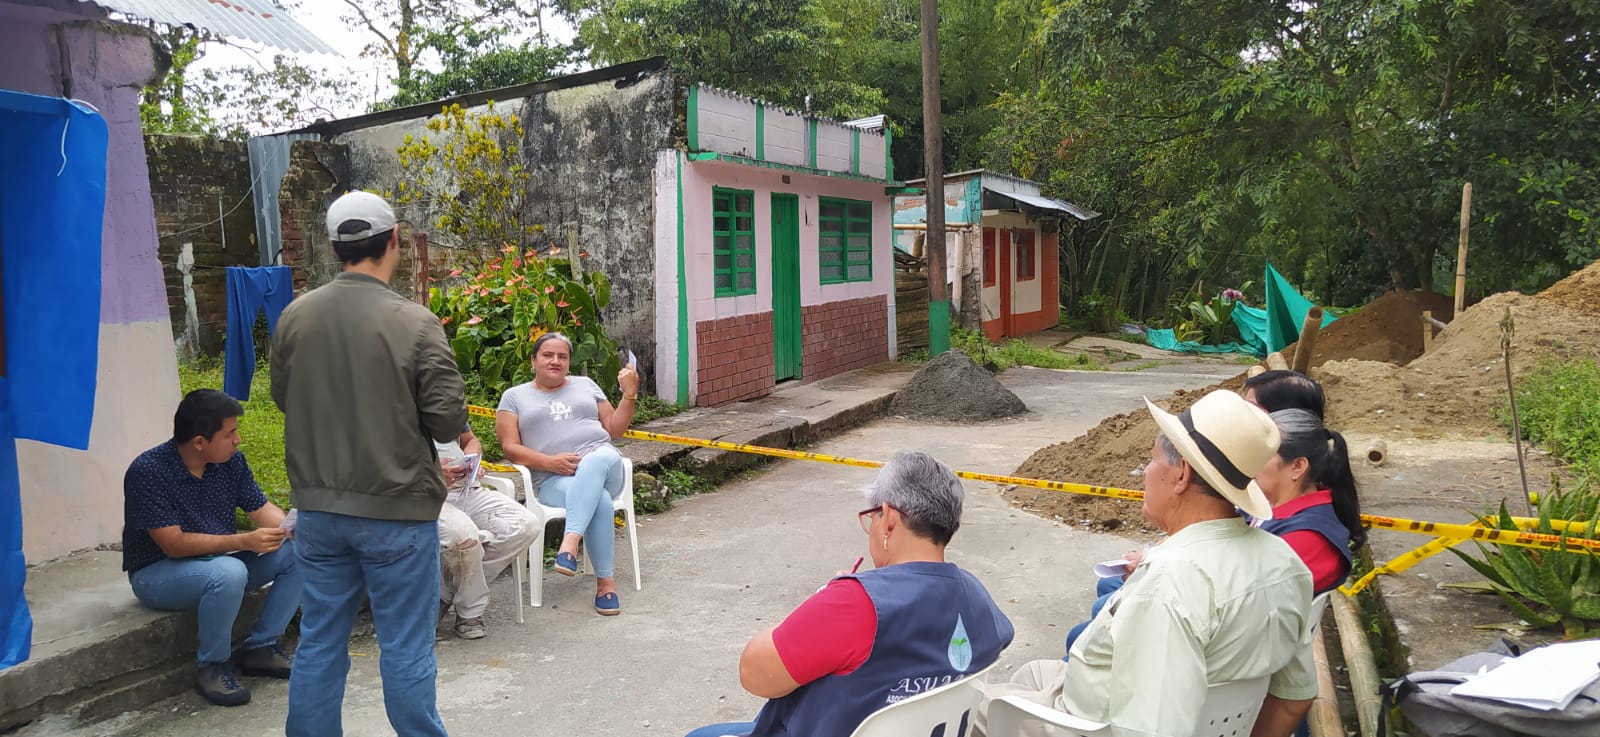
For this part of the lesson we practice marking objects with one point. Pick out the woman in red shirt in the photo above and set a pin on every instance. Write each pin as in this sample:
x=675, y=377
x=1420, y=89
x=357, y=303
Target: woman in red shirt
x=1314, y=503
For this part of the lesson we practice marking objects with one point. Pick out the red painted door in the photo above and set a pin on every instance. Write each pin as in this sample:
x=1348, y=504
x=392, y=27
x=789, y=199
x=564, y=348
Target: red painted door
x=1004, y=257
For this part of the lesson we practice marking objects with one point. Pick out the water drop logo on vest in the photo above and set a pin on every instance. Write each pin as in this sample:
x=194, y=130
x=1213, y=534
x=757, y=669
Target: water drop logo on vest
x=960, y=650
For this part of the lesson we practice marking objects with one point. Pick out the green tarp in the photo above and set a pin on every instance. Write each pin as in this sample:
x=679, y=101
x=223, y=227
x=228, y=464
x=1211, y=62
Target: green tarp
x=1262, y=330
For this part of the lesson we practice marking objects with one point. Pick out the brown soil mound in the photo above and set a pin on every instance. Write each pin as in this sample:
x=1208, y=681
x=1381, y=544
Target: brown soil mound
x=1579, y=292
x=1458, y=388
x=1112, y=453
x=1388, y=329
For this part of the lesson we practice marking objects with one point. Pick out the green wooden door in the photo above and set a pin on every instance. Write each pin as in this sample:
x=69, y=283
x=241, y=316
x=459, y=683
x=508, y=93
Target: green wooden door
x=786, y=285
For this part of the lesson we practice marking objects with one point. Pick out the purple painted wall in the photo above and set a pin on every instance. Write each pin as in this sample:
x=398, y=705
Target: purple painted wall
x=108, y=64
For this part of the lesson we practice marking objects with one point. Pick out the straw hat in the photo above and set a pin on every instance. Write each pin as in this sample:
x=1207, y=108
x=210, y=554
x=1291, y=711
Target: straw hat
x=1228, y=441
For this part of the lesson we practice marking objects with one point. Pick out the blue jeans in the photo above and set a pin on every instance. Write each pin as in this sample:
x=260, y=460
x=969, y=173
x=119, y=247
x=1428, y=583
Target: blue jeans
x=396, y=564
x=215, y=586
x=587, y=496
x=1103, y=590
x=727, y=729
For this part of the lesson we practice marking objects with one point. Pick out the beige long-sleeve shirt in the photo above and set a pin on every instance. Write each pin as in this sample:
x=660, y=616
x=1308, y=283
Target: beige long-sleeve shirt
x=1217, y=602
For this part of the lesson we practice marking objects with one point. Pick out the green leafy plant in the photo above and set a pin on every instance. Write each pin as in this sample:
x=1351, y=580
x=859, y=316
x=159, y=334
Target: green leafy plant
x=1558, y=408
x=1545, y=587
x=466, y=174
x=493, y=319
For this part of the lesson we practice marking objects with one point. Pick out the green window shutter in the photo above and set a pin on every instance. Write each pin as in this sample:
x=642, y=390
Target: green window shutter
x=844, y=241
x=733, y=232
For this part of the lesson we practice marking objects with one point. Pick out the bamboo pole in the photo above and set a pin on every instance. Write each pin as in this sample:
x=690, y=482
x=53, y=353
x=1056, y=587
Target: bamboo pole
x=1461, y=251
x=923, y=227
x=1427, y=330
x=1308, y=340
x=1364, y=680
x=1276, y=362
x=1324, y=715
x=1255, y=371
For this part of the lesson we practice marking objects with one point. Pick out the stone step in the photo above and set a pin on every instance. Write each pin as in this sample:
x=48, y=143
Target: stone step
x=96, y=650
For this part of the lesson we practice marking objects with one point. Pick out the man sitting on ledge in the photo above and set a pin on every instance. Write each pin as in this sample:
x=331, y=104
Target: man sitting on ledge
x=182, y=548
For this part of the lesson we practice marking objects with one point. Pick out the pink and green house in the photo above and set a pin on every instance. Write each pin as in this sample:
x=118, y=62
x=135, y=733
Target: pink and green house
x=747, y=244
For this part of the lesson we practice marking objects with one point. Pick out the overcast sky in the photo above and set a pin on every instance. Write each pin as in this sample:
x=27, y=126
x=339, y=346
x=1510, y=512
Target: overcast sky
x=323, y=18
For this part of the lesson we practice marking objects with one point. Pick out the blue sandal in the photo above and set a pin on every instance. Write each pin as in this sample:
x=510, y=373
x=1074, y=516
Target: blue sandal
x=608, y=604
x=566, y=564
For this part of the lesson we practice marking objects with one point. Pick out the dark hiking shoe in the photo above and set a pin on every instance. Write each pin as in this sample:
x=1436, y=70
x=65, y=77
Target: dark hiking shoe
x=220, y=686
x=470, y=628
x=270, y=661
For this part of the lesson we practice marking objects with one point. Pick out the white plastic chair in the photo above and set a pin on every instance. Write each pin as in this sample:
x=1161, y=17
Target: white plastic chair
x=535, y=564
x=950, y=706
x=504, y=486
x=1230, y=709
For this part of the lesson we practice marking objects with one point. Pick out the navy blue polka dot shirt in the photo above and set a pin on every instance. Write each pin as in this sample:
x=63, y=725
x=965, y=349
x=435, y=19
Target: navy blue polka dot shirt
x=158, y=491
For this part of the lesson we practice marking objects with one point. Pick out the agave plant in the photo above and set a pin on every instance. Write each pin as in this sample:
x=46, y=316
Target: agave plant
x=1546, y=587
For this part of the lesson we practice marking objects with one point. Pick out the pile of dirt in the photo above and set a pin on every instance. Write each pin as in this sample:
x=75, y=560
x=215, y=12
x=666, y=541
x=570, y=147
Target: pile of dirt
x=1387, y=329
x=1459, y=387
x=1579, y=292
x=953, y=387
x=1113, y=453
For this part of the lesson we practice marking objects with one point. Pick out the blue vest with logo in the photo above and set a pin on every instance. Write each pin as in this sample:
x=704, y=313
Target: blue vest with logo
x=1318, y=518
x=936, y=624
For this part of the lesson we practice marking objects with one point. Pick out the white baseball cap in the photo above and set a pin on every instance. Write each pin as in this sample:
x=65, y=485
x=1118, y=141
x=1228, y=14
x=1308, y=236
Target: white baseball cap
x=361, y=214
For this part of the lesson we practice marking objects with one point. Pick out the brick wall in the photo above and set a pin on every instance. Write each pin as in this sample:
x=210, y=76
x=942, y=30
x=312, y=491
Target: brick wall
x=736, y=360
x=309, y=186
x=189, y=175
x=840, y=336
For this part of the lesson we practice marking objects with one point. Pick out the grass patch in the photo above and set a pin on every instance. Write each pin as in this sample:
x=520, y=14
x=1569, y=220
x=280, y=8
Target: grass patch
x=652, y=407
x=1559, y=406
x=261, y=427
x=1016, y=352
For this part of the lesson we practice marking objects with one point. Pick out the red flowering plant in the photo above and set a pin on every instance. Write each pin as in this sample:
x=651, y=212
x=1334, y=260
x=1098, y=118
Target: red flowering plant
x=493, y=318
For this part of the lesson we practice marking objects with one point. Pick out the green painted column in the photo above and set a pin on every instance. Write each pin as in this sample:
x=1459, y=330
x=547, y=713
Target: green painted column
x=938, y=327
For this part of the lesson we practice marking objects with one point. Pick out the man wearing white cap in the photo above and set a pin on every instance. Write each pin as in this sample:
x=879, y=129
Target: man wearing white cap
x=367, y=383
x=1218, y=601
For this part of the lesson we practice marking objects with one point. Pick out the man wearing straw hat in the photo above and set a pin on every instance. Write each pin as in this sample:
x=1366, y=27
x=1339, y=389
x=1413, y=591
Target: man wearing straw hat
x=1217, y=601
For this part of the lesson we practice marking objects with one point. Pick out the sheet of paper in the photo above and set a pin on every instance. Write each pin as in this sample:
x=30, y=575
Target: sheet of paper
x=1548, y=678
x=1112, y=568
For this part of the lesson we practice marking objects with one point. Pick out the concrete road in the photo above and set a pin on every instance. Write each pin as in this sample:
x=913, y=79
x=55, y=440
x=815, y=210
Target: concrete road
x=719, y=568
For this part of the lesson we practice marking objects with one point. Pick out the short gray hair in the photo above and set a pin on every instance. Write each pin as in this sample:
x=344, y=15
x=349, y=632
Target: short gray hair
x=925, y=492
x=1173, y=457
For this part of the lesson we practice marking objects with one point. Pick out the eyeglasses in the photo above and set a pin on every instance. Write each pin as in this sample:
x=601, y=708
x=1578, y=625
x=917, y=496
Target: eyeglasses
x=865, y=520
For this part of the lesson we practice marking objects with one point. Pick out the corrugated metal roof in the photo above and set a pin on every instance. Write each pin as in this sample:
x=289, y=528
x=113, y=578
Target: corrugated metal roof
x=256, y=20
x=1047, y=203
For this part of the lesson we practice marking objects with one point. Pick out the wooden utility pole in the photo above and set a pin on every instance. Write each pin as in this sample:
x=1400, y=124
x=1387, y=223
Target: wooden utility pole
x=1461, y=253
x=933, y=171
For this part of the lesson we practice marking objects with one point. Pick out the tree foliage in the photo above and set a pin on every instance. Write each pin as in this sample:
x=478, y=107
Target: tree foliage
x=1329, y=138
x=466, y=175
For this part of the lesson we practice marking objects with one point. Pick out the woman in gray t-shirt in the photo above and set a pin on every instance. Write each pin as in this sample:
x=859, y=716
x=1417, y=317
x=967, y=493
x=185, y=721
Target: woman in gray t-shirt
x=561, y=428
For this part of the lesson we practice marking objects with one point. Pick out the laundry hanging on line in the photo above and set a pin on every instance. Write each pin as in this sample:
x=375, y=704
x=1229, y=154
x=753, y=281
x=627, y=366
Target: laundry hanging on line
x=251, y=289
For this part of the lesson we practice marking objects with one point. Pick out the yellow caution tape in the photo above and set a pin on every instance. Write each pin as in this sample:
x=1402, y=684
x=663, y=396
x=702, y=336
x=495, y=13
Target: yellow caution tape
x=1410, y=558
x=1445, y=530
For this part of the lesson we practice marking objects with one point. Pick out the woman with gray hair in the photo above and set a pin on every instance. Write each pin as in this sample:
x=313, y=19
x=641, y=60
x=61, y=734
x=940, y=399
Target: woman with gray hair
x=872, y=638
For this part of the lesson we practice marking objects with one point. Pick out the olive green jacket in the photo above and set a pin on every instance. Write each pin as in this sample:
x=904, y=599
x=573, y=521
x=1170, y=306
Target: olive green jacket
x=365, y=380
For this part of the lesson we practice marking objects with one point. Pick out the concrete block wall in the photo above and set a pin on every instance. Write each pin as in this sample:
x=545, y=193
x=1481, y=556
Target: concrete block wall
x=736, y=360
x=841, y=336
x=200, y=188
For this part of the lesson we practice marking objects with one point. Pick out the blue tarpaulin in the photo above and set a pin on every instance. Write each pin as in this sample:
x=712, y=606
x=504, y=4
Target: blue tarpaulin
x=52, y=204
x=1262, y=330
